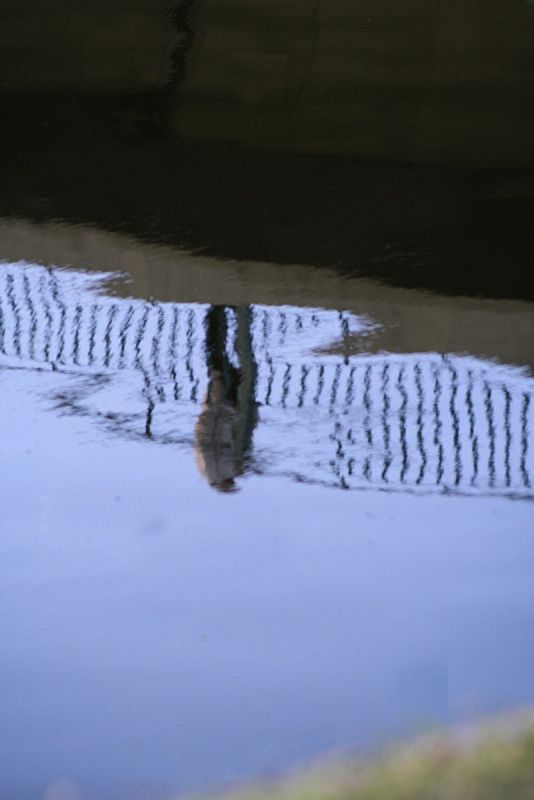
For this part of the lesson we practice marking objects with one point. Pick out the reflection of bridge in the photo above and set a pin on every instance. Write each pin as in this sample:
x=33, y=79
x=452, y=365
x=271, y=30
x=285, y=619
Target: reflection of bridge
x=416, y=422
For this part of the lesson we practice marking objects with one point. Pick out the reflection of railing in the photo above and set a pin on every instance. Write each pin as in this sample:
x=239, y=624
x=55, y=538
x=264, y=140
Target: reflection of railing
x=51, y=318
x=422, y=421
x=415, y=421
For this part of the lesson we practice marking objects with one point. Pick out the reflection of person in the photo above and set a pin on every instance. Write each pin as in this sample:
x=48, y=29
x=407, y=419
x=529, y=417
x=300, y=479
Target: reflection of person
x=223, y=433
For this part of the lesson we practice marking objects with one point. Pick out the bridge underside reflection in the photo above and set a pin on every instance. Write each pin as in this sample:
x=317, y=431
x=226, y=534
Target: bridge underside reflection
x=253, y=390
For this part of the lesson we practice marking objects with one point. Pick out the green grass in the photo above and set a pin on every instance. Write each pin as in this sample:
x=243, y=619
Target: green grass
x=493, y=763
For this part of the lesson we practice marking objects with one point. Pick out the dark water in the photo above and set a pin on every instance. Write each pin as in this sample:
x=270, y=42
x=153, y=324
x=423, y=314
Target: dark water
x=266, y=407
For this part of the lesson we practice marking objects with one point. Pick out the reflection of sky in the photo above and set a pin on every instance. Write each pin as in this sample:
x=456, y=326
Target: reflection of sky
x=161, y=637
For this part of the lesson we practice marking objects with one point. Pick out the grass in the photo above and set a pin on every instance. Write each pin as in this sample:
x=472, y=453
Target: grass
x=492, y=763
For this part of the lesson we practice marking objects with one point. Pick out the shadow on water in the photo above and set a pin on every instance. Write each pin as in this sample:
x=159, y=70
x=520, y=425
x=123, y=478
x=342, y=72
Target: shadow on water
x=291, y=133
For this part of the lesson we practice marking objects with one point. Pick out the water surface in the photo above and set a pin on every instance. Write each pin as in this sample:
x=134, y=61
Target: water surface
x=266, y=407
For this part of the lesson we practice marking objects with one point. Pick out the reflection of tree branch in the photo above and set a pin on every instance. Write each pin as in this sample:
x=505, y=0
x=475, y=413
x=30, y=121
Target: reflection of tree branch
x=307, y=73
x=179, y=17
x=71, y=402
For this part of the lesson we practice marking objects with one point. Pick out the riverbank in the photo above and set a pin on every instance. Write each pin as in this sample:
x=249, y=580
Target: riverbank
x=495, y=762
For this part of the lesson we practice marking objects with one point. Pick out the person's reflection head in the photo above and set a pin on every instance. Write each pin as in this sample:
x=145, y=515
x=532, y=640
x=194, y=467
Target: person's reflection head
x=226, y=486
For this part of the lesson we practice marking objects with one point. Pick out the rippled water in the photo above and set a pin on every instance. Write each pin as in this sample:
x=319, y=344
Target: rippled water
x=266, y=393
